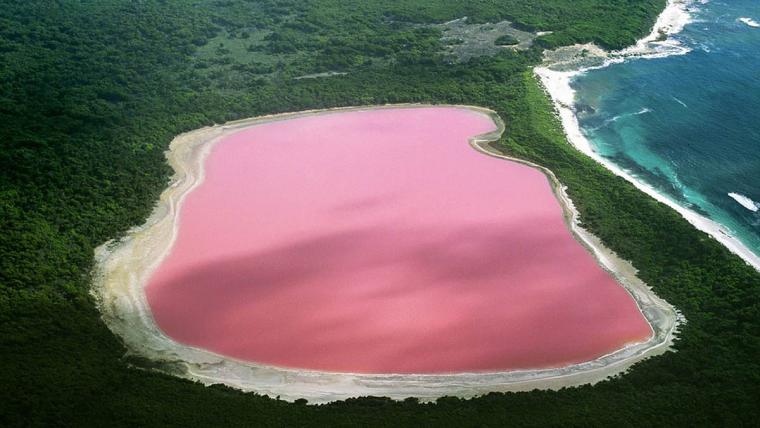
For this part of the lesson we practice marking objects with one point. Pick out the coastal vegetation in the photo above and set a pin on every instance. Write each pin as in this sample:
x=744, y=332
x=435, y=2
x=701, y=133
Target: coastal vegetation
x=92, y=93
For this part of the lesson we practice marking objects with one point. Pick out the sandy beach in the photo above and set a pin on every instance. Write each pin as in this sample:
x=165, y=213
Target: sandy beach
x=556, y=76
x=123, y=268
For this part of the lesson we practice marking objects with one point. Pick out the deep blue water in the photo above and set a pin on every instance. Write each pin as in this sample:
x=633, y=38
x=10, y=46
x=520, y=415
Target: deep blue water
x=689, y=125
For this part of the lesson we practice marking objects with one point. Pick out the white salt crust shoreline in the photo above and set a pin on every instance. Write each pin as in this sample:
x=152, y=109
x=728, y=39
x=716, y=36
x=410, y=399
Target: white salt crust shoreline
x=123, y=268
x=557, y=84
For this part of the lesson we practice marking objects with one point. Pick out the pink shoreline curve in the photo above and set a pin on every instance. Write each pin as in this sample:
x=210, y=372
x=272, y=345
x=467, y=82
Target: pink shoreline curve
x=379, y=241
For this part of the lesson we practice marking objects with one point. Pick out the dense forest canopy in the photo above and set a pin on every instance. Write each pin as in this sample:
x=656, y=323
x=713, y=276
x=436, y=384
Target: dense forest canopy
x=93, y=91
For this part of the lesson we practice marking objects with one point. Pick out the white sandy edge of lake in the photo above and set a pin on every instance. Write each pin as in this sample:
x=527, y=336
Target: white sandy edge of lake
x=557, y=84
x=123, y=268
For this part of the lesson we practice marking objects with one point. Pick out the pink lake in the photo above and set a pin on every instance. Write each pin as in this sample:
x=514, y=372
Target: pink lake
x=379, y=241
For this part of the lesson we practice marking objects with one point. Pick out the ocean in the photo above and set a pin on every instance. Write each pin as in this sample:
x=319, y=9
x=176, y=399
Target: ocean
x=688, y=125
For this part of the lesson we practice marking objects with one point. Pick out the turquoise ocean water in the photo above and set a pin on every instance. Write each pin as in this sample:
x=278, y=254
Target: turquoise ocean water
x=689, y=125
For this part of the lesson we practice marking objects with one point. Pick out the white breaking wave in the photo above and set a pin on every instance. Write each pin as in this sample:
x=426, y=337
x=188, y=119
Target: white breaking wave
x=644, y=110
x=745, y=202
x=680, y=102
x=749, y=21
x=658, y=44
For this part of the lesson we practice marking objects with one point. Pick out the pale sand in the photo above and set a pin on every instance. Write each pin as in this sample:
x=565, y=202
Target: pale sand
x=123, y=268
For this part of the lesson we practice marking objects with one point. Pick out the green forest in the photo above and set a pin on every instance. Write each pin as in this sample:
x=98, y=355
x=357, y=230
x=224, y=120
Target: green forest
x=92, y=92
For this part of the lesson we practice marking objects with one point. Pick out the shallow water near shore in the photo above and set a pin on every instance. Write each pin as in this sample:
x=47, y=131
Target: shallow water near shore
x=688, y=125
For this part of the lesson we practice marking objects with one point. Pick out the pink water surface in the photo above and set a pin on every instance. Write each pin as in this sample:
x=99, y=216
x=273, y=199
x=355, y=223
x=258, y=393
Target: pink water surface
x=381, y=242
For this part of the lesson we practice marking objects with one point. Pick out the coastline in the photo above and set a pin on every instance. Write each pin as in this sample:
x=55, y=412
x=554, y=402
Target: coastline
x=123, y=268
x=556, y=76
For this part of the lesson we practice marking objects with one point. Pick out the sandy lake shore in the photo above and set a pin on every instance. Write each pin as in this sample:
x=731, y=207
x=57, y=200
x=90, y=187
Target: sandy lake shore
x=124, y=266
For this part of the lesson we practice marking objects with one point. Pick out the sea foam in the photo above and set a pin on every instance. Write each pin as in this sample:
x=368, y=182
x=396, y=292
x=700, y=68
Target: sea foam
x=749, y=21
x=644, y=110
x=745, y=201
x=680, y=102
